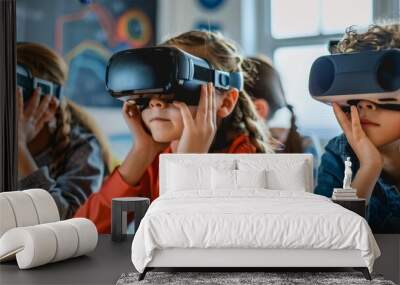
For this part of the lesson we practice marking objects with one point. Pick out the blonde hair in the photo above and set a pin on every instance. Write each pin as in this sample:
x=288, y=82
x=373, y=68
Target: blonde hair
x=377, y=37
x=223, y=55
x=46, y=64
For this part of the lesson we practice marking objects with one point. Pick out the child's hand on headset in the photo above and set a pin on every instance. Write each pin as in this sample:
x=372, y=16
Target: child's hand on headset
x=198, y=133
x=36, y=114
x=367, y=153
x=143, y=140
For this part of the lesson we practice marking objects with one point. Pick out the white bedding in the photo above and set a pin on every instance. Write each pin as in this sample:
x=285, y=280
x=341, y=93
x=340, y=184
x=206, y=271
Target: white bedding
x=251, y=218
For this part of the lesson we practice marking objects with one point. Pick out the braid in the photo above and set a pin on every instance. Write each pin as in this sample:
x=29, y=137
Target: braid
x=61, y=138
x=294, y=141
x=245, y=119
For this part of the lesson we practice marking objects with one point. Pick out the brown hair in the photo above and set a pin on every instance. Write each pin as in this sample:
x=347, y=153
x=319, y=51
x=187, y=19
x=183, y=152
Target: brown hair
x=266, y=84
x=46, y=64
x=377, y=37
x=223, y=55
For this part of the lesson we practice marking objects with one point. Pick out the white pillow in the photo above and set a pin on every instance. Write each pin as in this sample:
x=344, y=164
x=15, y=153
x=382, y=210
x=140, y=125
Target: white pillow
x=292, y=179
x=182, y=177
x=186, y=175
x=223, y=179
x=282, y=174
x=251, y=178
x=235, y=179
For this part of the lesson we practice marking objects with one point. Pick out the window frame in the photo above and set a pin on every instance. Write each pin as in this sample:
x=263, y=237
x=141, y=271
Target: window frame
x=267, y=44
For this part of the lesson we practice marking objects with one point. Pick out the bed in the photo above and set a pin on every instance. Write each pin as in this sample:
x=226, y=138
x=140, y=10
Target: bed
x=246, y=211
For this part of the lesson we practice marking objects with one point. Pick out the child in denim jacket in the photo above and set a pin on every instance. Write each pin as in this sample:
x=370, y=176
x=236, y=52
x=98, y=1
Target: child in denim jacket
x=371, y=138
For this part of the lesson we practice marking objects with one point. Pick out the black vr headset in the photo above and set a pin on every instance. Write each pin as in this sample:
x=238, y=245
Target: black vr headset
x=166, y=72
x=29, y=83
x=349, y=78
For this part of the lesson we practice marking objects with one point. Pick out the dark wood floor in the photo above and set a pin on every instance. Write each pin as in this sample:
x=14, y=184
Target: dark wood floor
x=106, y=264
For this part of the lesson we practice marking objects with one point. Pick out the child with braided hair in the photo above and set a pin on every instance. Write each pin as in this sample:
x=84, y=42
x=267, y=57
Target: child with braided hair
x=225, y=121
x=60, y=149
x=266, y=90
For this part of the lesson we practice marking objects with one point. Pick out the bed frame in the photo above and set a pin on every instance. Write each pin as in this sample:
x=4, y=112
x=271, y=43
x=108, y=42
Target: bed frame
x=260, y=259
x=248, y=259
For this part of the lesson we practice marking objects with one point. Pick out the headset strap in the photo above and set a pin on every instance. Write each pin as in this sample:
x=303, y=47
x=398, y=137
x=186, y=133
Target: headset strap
x=29, y=80
x=220, y=79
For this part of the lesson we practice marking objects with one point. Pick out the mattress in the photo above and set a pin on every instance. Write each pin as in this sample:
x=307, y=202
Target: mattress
x=250, y=219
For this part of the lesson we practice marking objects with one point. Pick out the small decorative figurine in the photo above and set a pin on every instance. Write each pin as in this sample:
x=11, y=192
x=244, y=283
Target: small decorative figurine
x=348, y=174
x=347, y=192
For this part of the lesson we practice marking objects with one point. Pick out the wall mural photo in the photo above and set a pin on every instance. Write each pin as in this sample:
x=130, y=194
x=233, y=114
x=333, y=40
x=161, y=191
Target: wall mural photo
x=239, y=135
x=122, y=93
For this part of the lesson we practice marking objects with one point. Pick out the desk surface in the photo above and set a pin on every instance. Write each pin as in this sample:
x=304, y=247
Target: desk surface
x=102, y=266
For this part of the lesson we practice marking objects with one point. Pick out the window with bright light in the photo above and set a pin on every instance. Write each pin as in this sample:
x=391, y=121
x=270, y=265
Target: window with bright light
x=294, y=18
x=302, y=18
x=337, y=15
x=293, y=64
x=300, y=31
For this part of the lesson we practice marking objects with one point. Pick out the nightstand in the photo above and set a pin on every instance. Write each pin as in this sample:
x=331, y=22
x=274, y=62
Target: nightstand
x=119, y=214
x=356, y=205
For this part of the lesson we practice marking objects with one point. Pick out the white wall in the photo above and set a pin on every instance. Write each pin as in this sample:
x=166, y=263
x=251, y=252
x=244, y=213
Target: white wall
x=236, y=17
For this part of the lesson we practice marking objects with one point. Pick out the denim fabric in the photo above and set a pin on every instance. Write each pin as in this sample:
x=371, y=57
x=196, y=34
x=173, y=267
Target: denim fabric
x=383, y=211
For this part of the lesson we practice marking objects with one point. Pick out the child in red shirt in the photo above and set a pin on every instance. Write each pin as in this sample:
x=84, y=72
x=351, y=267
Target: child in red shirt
x=223, y=122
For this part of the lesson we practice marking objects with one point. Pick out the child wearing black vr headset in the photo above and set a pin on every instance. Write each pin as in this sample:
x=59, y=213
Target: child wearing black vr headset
x=59, y=148
x=266, y=90
x=371, y=138
x=224, y=120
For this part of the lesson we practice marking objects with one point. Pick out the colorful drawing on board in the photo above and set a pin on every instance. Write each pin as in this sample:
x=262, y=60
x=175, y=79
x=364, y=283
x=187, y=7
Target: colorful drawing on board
x=88, y=62
x=134, y=27
x=89, y=36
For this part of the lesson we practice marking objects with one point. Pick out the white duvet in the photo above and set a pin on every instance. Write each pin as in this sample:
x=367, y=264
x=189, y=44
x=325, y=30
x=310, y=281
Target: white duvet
x=253, y=218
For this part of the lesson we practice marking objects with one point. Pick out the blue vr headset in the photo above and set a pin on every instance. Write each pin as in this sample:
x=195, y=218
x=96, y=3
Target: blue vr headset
x=168, y=73
x=349, y=78
x=29, y=83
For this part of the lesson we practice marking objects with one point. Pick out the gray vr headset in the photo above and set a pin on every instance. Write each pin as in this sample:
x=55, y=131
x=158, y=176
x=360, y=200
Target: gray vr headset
x=349, y=78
